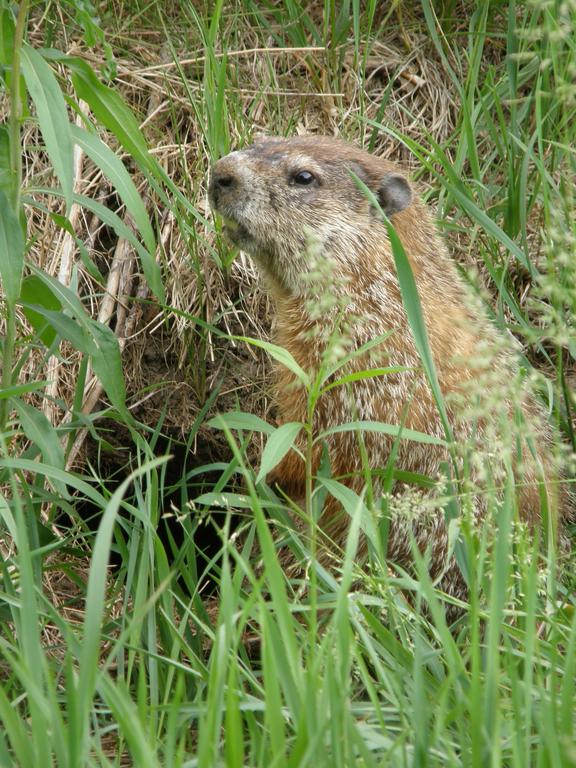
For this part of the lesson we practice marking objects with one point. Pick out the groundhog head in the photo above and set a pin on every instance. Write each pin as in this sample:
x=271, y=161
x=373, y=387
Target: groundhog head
x=289, y=202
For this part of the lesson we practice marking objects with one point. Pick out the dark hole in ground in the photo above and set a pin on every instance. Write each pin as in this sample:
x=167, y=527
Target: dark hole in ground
x=190, y=538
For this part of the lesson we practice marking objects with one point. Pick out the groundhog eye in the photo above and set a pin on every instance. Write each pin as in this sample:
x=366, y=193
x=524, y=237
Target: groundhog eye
x=303, y=178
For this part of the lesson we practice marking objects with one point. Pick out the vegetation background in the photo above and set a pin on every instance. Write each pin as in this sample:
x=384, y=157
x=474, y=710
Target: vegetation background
x=135, y=626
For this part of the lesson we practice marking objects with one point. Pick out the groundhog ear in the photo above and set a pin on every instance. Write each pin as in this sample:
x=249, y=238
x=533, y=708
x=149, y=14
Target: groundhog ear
x=394, y=193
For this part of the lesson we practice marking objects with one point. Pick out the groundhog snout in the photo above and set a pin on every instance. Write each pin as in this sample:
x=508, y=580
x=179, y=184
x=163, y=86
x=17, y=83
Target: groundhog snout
x=222, y=181
x=226, y=181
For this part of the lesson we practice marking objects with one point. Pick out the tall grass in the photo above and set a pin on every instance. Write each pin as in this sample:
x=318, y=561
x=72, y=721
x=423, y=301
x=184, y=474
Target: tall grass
x=183, y=657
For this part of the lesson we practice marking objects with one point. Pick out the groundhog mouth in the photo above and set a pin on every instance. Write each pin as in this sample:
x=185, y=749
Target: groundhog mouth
x=235, y=231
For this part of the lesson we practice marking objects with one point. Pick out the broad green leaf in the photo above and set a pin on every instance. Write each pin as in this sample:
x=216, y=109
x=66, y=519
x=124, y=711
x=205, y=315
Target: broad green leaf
x=42, y=434
x=11, y=251
x=240, y=420
x=65, y=297
x=87, y=335
x=64, y=326
x=52, y=117
x=113, y=168
x=60, y=221
x=414, y=478
x=35, y=292
x=22, y=389
x=280, y=354
x=98, y=341
x=220, y=120
x=272, y=657
x=109, y=108
x=22, y=750
x=367, y=374
x=353, y=504
x=394, y=430
x=107, y=363
x=127, y=714
x=278, y=445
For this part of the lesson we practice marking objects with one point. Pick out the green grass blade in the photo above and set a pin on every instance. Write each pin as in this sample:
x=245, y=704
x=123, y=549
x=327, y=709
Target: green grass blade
x=149, y=265
x=240, y=420
x=393, y=430
x=113, y=168
x=413, y=307
x=42, y=435
x=280, y=354
x=11, y=251
x=52, y=117
x=110, y=109
x=354, y=506
x=277, y=446
x=89, y=661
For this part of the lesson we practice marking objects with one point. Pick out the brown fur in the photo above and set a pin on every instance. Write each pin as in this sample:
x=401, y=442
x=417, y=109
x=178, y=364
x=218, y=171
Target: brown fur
x=292, y=229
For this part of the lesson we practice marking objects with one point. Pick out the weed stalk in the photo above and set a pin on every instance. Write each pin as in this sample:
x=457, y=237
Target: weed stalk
x=16, y=178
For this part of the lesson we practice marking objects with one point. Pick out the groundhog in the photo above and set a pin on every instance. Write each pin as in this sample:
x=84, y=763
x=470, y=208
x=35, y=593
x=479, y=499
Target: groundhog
x=296, y=207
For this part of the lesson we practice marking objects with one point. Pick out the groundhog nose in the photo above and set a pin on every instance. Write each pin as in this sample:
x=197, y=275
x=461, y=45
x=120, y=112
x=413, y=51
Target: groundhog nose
x=222, y=180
